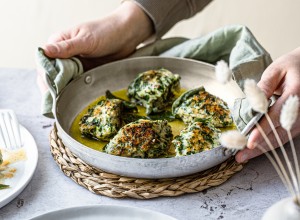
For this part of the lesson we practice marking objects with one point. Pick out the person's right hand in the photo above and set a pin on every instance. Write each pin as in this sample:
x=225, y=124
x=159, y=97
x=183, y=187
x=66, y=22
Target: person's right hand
x=281, y=78
x=110, y=38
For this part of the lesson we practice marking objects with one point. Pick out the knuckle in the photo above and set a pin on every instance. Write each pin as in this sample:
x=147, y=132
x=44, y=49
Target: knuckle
x=68, y=45
x=266, y=86
x=293, y=89
x=274, y=68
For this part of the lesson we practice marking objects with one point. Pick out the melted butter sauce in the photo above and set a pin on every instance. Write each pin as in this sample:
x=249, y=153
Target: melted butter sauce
x=176, y=125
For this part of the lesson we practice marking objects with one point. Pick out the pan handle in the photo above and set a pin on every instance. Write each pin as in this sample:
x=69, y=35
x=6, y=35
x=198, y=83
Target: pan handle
x=250, y=126
x=245, y=131
x=256, y=118
x=252, y=123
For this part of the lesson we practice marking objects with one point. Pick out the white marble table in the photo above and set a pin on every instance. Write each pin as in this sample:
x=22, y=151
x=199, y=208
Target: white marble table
x=244, y=196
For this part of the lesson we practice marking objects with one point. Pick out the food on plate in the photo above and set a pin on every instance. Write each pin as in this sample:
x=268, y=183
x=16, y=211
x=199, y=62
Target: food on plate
x=103, y=120
x=6, y=158
x=198, y=136
x=2, y=186
x=198, y=104
x=142, y=139
x=154, y=89
x=1, y=159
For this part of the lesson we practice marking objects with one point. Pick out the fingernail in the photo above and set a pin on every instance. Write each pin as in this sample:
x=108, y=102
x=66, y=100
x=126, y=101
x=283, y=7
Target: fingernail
x=244, y=158
x=52, y=49
x=250, y=143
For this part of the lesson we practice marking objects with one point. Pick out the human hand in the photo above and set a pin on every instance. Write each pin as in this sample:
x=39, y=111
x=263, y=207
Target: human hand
x=281, y=78
x=110, y=38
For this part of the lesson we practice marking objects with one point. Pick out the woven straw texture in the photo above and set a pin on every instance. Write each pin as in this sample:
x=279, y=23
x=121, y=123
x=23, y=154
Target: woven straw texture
x=115, y=186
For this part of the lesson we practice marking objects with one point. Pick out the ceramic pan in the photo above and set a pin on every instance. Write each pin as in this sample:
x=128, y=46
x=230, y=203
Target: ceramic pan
x=118, y=75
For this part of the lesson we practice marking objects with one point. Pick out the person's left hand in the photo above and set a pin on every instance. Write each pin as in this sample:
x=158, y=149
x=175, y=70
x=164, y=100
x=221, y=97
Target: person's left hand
x=282, y=78
x=110, y=38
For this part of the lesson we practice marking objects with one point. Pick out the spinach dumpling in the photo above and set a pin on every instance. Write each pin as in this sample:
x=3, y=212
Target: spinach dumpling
x=154, y=89
x=199, y=104
x=197, y=137
x=142, y=139
x=103, y=120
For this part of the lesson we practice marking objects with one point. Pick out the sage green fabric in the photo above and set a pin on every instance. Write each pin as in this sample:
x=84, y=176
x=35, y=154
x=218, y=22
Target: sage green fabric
x=60, y=72
x=235, y=44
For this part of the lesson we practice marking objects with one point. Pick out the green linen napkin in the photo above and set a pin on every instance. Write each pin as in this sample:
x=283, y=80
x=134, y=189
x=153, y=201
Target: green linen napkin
x=60, y=72
x=235, y=44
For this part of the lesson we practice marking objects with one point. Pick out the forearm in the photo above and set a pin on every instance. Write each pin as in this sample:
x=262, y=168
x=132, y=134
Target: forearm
x=165, y=14
x=133, y=23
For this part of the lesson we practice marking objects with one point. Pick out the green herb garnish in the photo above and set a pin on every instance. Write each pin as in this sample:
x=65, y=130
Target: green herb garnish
x=128, y=118
x=129, y=106
x=2, y=186
x=165, y=115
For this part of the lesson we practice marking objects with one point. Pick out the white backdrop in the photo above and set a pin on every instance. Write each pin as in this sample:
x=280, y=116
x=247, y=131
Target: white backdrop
x=26, y=24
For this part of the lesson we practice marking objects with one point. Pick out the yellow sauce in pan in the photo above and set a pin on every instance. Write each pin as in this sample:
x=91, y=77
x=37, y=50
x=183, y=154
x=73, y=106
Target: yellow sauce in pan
x=177, y=125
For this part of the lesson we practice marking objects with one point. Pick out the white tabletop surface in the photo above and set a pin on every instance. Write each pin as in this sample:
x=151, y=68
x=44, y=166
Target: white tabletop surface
x=244, y=196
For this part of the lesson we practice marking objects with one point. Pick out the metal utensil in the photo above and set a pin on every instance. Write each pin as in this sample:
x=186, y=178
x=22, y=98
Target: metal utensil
x=10, y=136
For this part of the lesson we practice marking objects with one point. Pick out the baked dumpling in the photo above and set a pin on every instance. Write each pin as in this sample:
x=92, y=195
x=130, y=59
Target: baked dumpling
x=198, y=104
x=142, y=139
x=103, y=120
x=197, y=137
x=154, y=89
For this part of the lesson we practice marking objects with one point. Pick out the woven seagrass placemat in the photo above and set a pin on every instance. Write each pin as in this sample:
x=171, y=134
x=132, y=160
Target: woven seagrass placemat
x=115, y=186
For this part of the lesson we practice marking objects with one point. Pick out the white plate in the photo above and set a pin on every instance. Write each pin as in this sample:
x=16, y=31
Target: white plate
x=96, y=212
x=25, y=169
